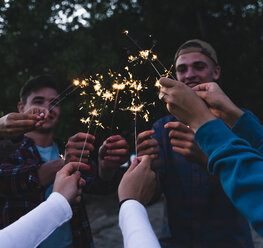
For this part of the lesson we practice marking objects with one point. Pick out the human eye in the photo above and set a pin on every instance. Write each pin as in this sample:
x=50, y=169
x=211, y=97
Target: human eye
x=37, y=102
x=181, y=69
x=200, y=66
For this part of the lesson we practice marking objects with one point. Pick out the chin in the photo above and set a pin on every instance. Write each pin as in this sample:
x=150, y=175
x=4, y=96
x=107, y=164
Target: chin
x=46, y=128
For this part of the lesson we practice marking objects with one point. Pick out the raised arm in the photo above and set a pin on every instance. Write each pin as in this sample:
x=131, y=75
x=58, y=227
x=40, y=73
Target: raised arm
x=135, y=190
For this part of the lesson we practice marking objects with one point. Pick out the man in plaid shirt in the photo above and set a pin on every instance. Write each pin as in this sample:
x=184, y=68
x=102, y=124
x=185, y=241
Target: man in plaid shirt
x=27, y=175
x=198, y=212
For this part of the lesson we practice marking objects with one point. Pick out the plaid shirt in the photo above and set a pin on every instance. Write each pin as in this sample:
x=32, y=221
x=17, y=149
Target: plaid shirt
x=199, y=213
x=21, y=191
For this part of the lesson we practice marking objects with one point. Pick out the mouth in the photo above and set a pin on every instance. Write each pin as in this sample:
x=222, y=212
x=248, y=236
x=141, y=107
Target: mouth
x=192, y=84
x=50, y=117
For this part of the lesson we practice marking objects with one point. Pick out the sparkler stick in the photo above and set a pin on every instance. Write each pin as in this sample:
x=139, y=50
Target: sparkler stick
x=107, y=95
x=60, y=99
x=135, y=132
x=118, y=87
x=85, y=141
x=126, y=32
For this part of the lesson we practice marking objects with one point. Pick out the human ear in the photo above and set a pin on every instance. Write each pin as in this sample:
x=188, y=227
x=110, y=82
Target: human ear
x=20, y=107
x=217, y=72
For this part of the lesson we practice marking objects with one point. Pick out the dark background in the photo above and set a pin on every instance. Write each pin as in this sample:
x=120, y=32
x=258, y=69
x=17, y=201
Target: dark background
x=31, y=43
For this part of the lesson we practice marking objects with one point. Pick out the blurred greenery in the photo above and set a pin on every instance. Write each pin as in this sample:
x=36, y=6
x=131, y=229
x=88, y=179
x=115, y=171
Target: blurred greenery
x=35, y=40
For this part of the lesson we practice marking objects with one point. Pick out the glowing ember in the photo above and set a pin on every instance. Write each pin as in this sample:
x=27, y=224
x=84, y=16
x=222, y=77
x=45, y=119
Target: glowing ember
x=144, y=54
x=118, y=86
x=154, y=57
x=76, y=82
x=157, y=84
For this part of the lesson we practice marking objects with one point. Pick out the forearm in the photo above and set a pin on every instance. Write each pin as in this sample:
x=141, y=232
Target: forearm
x=47, y=171
x=238, y=166
x=135, y=226
x=249, y=128
x=231, y=114
x=31, y=229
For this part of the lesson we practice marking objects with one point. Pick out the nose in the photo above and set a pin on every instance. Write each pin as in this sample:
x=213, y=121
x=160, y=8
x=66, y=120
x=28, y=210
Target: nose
x=190, y=74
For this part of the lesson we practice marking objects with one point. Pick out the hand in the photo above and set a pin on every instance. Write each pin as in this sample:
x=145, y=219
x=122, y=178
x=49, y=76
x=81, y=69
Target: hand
x=148, y=146
x=14, y=125
x=75, y=145
x=184, y=104
x=219, y=103
x=183, y=142
x=41, y=113
x=69, y=183
x=112, y=154
x=139, y=181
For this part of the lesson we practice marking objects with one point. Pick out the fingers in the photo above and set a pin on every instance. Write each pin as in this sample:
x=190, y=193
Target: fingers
x=82, y=182
x=179, y=126
x=115, y=143
x=135, y=162
x=77, y=147
x=117, y=152
x=167, y=82
x=147, y=145
x=144, y=135
x=206, y=87
x=71, y=167
x=201, y=87
x=82, y=137
x=186, y=144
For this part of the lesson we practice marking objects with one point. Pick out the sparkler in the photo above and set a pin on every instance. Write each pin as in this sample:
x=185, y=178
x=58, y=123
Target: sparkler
x=106, y=95
x=116, y=86
x=59, y=99
x=145, y=55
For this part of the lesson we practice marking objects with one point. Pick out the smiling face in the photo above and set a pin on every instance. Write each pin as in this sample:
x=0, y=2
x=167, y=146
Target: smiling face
x=196, y=68
x=43, y=97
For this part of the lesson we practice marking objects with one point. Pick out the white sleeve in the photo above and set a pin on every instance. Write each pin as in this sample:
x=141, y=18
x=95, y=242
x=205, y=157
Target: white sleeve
x=34, y=227
x=135, y=226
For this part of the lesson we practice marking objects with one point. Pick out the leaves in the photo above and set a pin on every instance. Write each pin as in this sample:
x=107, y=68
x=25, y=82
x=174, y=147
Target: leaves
x=33, y=41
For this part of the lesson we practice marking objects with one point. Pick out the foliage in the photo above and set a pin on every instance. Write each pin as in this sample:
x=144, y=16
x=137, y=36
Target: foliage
x=34, y=40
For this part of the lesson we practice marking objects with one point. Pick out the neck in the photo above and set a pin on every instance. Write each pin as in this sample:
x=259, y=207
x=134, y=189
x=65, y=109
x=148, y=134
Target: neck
x=41, y=139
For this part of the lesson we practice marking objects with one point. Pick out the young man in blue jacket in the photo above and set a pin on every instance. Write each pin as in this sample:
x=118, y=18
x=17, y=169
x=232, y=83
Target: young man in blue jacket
x=234, y=145
x=199, y=213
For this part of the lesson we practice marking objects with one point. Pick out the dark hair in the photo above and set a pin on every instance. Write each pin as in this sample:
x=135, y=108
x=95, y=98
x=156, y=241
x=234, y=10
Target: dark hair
x=38, y=82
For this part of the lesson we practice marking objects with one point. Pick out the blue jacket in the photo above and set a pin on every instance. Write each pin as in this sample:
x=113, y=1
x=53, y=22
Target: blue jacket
x=238, y=162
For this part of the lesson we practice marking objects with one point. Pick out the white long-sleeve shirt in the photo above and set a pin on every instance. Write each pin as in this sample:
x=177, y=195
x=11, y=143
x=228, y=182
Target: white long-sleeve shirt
x=34, y=227
x=135, y=226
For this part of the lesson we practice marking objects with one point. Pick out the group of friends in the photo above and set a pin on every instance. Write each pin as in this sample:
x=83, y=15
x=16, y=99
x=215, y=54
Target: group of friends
x=204, y=158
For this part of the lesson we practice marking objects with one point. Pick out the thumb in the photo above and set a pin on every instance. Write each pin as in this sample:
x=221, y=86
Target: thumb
x=201, y=94
x=76, y=176
x=134, y=164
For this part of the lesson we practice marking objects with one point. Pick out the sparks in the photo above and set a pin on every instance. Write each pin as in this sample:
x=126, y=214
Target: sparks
x=76, y=82
x=144, y=54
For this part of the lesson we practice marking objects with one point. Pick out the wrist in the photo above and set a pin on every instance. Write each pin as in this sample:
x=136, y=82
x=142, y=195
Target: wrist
x=232, y=116
x=124, y=200
x=202, y=119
